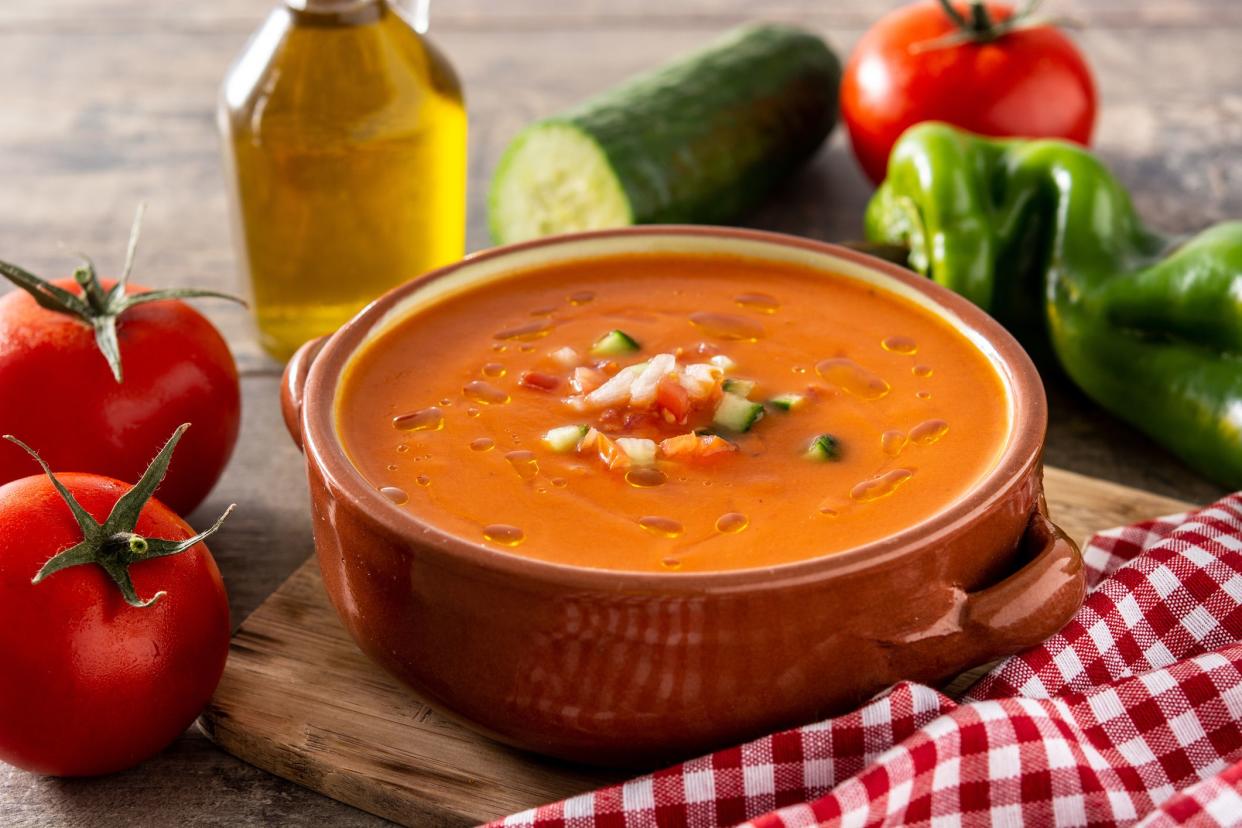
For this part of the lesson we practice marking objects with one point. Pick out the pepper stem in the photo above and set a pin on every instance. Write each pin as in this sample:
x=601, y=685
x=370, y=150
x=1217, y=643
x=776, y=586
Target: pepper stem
x=113, y=545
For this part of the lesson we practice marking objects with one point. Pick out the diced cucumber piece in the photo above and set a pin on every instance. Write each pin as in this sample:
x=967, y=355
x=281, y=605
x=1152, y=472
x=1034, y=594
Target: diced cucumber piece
x=565, y=438
x=823, y=448
x=741, y=387
x=736, y=413
x=613, y=343
x=787, y=402
x=641, y=452
x=723, y=362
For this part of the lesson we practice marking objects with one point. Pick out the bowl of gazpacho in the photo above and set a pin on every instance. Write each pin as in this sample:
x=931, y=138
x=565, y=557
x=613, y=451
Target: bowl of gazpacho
x=622, y=496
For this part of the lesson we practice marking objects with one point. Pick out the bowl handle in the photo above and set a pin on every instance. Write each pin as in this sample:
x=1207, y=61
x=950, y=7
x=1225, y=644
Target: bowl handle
x=293, y=385
x=1032, y=604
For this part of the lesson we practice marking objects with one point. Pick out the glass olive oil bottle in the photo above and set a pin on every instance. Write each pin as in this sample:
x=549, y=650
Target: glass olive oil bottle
x=345, y=149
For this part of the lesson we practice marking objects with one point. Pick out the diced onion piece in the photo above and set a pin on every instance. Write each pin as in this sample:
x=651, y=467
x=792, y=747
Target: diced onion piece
x=700, y=380
x=643, y=390
x=641, y=452
x=616, y=391
x=565, y=357
x=565, y=438
x=723, y=362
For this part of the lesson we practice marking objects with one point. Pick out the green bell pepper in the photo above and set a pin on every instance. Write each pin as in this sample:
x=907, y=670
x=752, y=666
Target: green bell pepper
x=1042, y=236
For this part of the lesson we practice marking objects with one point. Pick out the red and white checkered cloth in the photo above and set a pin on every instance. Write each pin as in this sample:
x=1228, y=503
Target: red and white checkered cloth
x=1131, y=714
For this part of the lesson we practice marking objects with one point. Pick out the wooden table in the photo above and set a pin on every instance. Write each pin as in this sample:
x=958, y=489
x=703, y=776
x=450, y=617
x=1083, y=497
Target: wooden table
x=106, y=102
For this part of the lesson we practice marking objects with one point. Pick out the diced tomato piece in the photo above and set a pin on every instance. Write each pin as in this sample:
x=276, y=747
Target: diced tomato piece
x=710, y=444
x=609, y=421
x=539, y=381
x=683, y=445
x=634, y=420
x=695, y=446
x=612, y=454
x=673, y=399
x=819, y=392
x=586, y=380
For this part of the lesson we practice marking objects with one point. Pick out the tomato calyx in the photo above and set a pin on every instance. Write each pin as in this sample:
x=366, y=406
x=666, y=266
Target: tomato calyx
x=113, y=545
x=97, y=307
x=980, y=27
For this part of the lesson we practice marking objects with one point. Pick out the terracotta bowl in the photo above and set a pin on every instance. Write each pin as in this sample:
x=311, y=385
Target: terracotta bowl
x=623, y=668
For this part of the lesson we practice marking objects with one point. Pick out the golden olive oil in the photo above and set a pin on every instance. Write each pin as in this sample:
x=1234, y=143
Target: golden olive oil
x=345, y=150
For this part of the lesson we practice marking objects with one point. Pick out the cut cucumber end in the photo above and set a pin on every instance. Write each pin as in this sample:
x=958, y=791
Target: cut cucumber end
x=614, y=343
x=736, y=414
x=824, y=448
x=565, y=438
x=787, y=402
x=741, y=387
x=554, y=178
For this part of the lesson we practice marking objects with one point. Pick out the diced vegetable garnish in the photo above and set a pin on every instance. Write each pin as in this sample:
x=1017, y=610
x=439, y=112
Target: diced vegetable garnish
x=690, y=446
x=643, y=391
x=787, y=402
x=641, y=452
x=616, y=391
x=824, y=447
x=565, y=357
x=613, y=343
x=736, y=413
x=565, y=438
x=539, y=381
x=723, y=362
x=660, y=383
x=609, y=451
x=741, y=387
x=700, y=380
x=585, y=380
x=673, y=400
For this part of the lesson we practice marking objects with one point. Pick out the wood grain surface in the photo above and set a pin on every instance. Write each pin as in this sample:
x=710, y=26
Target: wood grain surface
x=106, y=102
x=300, y=700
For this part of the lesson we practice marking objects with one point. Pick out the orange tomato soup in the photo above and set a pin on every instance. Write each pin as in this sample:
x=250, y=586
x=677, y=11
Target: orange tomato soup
x=665, y=412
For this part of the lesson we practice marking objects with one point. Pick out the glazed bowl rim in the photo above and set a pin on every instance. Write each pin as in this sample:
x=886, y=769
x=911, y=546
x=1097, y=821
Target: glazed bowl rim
x=1020, y=455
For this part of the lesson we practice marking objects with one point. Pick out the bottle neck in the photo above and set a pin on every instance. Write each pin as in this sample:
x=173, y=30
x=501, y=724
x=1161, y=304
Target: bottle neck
x=336, y=12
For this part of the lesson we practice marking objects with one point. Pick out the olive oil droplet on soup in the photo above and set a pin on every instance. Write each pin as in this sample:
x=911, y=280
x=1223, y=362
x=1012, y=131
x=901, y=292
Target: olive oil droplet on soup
x=504, y=534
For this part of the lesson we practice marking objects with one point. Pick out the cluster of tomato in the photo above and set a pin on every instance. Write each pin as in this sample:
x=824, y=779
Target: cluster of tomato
x=114, y=623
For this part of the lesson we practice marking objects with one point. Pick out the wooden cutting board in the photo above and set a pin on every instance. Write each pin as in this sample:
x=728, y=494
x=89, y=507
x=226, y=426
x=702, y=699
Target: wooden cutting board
x=299, y=700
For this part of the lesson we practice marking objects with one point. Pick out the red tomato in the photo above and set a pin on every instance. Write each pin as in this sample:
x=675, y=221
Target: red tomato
x=1029, y=82
x=58, y=393
x=90, y=684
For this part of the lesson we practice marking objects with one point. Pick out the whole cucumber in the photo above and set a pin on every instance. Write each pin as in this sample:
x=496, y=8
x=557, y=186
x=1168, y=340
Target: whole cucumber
x=700, y=140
